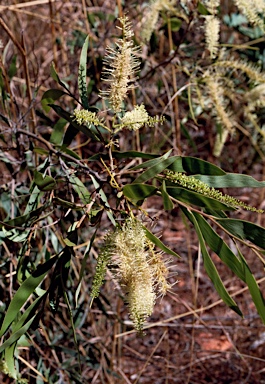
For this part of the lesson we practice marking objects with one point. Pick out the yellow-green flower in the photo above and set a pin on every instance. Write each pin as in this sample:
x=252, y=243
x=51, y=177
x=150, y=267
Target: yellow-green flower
x=86, y=117
x=136, y=118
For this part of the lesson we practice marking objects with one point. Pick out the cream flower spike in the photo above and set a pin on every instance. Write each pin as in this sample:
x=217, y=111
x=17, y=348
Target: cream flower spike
x=212, y=31
x=251, y=10
x=120, y=67
x=139, y=269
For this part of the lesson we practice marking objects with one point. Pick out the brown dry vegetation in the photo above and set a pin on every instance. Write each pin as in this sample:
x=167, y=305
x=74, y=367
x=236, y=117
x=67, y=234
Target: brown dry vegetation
x=192, y=337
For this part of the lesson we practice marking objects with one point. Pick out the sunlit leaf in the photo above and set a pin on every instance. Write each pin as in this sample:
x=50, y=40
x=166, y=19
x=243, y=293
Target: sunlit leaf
x=154, y=161
x=231, y=180
x=193, y=165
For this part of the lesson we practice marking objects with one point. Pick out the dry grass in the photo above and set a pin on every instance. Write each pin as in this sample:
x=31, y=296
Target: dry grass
x=192, y=337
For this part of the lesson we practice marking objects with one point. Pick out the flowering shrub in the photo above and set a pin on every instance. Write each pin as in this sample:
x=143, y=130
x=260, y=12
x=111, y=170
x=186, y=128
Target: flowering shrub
x=108, y=185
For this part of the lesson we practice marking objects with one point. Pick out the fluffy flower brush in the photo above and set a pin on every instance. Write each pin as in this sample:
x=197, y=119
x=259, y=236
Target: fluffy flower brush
x=212, y=30
x=140, y=271
x=120, y=67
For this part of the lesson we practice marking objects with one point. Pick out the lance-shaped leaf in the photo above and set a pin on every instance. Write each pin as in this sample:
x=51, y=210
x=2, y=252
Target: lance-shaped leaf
x=80, y=188
x=25, y=219
x=217, y=244
x=253, y=287
x=238, y=266
x=10, y=361
x=58, y=132
x=49, y=97
x=123, y=155
x=154, y=170
x=192, y=165
x=244, y=230
x=16, y=335
x=44, y=183
x=210, y=267
x=138, y=192
x=154, y=161
x=168, y=204
x=24, y=291
x=159, y=243
x=232, y=180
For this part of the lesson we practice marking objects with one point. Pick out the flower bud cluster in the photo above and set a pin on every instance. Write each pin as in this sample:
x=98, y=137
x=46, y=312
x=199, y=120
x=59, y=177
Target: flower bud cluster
x=194, y=184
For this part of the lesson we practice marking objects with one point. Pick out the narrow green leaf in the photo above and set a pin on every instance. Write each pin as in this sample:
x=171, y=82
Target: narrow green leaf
x=34, y=199
x=168, y=204
x=175, y=24
x=244, y=230
x=12, y=70
x=104, y=200
x=44, y=183
x=217, y=245
x=14, y=235
x=210, y=267
x=192, y=165
x=254, y=290
x=27, y=218
x=65, y=203
x=202, y=9
x=30, y=312
x=64, y=149
x=138, y=192
x=49, y=97
x=24, y=291
x=154, y=161
x=154, y=170
x=123, y=155
x=80, y=189
x=58, y=132
x=41, y=151
x=10, y=361
x=232, y=180
x=82, y=75
x=16, y=335
x=159, y=243
x=56, y=77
